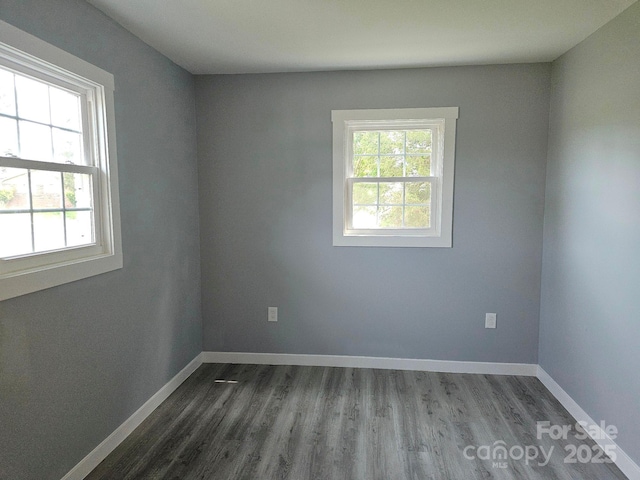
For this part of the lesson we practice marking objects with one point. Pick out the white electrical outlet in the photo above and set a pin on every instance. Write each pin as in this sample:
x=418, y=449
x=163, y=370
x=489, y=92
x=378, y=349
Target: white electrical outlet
x=490, y=320
x=272, y=315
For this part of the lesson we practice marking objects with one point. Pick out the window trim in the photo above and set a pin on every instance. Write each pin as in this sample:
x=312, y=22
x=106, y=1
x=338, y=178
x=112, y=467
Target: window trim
x=345, y=122
x=49, y=269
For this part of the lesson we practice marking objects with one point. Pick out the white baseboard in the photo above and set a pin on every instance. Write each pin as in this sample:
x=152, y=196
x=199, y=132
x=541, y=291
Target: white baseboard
x=445, y=366
x=91, y=461
x=623, y=461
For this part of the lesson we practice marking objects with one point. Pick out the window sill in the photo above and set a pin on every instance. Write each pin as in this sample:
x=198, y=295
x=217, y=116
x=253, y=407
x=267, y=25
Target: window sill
x=391, y=241
x=21, y=283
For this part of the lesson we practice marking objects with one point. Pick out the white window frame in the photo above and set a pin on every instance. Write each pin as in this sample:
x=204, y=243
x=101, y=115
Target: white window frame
x=28, y=273
x=442, y=121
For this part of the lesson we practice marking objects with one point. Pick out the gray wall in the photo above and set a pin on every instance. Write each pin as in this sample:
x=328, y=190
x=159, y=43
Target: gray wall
x=264, y=148
x=590, y=308
x=79, y=359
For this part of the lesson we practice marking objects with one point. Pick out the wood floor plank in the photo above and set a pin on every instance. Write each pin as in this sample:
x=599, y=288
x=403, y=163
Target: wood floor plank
x=229, y=422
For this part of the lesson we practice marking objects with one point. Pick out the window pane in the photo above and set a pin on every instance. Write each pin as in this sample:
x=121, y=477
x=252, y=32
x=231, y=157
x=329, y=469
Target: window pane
x=48, y=231
x=77, y=190
x=65, y=109
x=67, y=147
x=365, y=166
x=15, y=234
x=419, y=141
x=35, y=141
x=390, y=217
x=417, y=192
x=391, y=143
x=14, y=188
x=391, y=193
x=419, y=166
x=7, y=93
x=364, y=217
x=365, y=143
x=8, y=137
x=33, y=99
x=46, y=189
x=365, y=193
x=79, y=228
x=391, y=166
x=417, y=217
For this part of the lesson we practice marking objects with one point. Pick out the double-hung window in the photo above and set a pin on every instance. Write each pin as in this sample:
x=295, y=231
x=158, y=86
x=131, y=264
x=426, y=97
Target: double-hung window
x=59, y=217
x=393, y=177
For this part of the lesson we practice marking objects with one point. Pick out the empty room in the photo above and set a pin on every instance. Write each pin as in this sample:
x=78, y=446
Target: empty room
x=319, y=239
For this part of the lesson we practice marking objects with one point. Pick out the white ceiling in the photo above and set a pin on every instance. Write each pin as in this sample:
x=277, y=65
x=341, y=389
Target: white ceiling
x=250, y=36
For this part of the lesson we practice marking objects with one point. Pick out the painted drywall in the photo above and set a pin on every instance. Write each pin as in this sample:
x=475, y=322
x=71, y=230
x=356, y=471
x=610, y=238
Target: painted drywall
x=79, y=359
x=264, y=147
x=590, y=307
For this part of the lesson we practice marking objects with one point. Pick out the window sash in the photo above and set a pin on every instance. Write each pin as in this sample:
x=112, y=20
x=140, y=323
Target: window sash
x=404, y=231
x=63, y=80
x=36, y=260
x=436, y=128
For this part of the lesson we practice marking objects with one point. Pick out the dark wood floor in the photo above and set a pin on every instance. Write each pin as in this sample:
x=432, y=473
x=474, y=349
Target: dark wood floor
x=297, y=423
